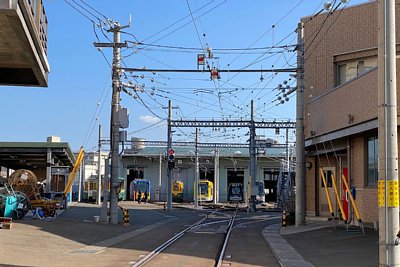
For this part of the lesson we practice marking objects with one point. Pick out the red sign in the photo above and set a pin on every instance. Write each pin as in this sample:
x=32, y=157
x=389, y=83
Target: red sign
x=200, y=59
x=214, y=74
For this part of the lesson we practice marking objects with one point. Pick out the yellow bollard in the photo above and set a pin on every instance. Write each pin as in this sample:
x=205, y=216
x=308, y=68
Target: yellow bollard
x=125, y=216
x=284, y=218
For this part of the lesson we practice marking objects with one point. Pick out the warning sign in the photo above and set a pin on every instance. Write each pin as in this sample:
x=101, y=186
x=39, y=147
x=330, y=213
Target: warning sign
x=393, y=193
x=381, y=193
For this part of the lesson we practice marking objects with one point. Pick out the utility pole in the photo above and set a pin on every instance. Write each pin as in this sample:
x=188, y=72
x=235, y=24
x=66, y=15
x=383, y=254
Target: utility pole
x=81, y=177
x=300, y=154
x=170, y=170
x=159, y=177
x=115, y=107
x=253, y=160
x=287, y=150
x=388, y=187
x=115, y=126
x=216, y=176
x=99, y=169
x=104, y=206
x=196, y=174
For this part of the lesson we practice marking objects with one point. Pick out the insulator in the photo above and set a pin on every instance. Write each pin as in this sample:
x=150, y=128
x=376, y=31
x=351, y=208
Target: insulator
x=286, y=99
x=279, y=97
x=284, y=95
x=285, y=82
x=142, y=76
x=282, y=101
x=328, y=6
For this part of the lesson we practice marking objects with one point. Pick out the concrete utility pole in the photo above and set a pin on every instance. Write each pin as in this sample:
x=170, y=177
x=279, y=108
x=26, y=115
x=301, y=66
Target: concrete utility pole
x=104, y=207
x=388, y=193
x=170, y=170
x=99, y=170
x=80, y=181
x=196, y=174
x=216, y=176
x=300, y=154
x=287, y=150
x=159, y=178
x=115, y=125
x=253, y=160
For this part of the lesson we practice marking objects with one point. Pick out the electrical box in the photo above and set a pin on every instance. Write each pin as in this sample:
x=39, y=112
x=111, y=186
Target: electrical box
x=123, y=135
x=123, y=118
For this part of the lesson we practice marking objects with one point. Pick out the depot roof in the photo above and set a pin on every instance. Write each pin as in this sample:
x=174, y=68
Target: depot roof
x=33, y=155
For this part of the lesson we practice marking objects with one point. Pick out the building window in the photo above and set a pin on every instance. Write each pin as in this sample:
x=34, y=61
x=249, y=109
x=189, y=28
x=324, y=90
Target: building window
x=372, y=160
x=270, y=175
x=328, y=178
x=350, y=69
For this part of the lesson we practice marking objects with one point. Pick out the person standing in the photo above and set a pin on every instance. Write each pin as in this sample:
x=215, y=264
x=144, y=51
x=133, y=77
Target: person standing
x=139, y=197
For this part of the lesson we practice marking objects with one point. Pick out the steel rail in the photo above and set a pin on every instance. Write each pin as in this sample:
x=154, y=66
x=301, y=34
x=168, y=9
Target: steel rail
x=228, y=233
x=159, y=249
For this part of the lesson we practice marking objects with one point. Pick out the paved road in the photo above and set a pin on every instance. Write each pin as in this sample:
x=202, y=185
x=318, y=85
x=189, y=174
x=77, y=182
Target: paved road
x=247, y=247
x=73, y=239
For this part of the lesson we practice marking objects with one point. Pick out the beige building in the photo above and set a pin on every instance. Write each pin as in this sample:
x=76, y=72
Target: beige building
x=341, y=107
x=23, y=43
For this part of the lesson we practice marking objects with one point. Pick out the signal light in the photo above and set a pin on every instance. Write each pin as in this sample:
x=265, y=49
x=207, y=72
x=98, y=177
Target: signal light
x=171, y=155
x=171, y=159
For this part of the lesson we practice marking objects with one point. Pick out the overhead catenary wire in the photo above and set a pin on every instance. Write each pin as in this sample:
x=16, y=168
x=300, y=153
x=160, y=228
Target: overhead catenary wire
x=173, y=24
x=106, y=20
x=222, y=94
x=219, y=95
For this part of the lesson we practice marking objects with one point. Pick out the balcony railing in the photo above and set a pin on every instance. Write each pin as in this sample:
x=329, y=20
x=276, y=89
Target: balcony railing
x=39, y=17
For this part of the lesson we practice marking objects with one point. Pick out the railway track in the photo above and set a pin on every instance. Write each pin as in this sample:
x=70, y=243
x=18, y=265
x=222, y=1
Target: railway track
x=224, y=218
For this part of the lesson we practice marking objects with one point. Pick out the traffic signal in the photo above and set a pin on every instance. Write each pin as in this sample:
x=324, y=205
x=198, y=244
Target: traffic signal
x=171, y=159
x=171, y=155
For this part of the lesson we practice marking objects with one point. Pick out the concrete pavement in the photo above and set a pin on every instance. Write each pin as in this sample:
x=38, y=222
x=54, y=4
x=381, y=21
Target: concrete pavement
x=74, y=239
x=321, y=244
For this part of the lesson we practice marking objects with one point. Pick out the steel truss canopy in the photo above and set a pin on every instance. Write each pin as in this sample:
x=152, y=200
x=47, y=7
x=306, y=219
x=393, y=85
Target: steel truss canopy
x=258, y=124
x=212, y=145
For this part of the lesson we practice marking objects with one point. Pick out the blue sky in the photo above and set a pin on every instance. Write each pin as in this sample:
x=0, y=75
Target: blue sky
x=243, y=34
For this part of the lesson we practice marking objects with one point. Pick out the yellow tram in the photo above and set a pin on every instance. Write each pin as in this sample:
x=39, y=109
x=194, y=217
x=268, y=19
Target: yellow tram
x=177, y=191
x=206, y=190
